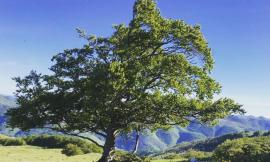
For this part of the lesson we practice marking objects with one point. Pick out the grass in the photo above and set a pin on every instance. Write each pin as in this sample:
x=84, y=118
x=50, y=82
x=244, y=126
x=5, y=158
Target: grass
x=4, y=136
x=169, y=160
x=37, y=154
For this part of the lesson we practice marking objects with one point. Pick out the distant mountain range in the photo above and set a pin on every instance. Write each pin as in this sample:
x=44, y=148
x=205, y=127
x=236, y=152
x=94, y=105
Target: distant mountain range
x=160, y=140
x=210, y=144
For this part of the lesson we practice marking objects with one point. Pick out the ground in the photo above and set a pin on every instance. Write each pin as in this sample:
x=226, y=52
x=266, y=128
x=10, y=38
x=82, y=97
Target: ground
x=38, y=154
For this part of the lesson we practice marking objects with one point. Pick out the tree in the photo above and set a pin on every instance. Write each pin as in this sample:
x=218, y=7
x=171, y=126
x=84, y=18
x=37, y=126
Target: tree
x=154, y=72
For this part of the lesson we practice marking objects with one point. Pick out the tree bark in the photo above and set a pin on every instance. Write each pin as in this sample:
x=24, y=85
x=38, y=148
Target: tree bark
x=135, y=149
x=108, y=146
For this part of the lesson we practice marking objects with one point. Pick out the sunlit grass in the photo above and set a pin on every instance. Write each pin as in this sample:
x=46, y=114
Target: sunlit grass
x=37, y=154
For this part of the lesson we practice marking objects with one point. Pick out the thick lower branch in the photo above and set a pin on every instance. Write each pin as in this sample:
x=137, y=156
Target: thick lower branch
x=87, y=138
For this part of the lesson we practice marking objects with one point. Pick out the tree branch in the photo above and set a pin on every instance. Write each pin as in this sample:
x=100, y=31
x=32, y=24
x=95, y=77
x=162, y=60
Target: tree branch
x=77, y=135
x=74, y=134
x=87, y=138
x=101, y=134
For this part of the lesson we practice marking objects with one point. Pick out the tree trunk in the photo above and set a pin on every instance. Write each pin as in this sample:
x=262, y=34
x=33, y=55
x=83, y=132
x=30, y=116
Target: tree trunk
x=108, y=146
x=136, y=142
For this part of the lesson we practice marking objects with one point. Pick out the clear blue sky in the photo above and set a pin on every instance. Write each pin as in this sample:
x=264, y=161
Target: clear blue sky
x=238, y=31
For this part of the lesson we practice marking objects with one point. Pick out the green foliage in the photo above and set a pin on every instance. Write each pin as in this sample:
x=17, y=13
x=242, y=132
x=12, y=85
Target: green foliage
x=211, y=144
x=48, y=141
x=122, y=156
x=188, y=155
x=59, y=141
x=142, y=73
x=153, y=71
x=3, y=136
x=173, y=156
x=244, y=150
x=12, y=141
x=71, y=150
x=266, y=133
x=198, y=155
x=259, y=133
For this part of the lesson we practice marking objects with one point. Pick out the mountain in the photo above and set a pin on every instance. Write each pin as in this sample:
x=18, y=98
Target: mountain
x=160, y=140
x=151, y=142
x=5, y=103
x=210, y=144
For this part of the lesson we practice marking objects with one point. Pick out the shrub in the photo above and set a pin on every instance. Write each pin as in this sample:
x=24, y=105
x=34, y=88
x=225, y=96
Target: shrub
x=48, y=141
x=147, y=159
x=122, y=156
x=12, y=141
x=60, y=141
x=198, y=155
x=71, y=150
x=3, y=136
x=173, y=156
x=190, y=154
x=244, y=150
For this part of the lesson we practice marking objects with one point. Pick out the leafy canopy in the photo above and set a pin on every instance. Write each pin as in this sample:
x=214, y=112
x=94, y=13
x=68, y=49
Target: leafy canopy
x=153, y=72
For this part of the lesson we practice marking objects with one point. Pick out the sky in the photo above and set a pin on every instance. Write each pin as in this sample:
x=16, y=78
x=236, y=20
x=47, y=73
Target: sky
x=238, y=32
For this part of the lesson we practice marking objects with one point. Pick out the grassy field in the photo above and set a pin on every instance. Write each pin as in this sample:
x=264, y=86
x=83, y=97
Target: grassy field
x=37, y=154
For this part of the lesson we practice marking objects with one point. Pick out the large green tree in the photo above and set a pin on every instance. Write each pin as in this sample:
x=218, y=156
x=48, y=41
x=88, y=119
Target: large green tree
x=153, y=72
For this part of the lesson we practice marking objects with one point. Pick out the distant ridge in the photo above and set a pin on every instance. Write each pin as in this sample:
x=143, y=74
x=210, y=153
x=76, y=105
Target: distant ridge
x=161, y=140
x=6, y=102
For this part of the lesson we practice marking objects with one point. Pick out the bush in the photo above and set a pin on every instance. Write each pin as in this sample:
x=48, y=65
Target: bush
x=60, y=141
x=48, y=141
x=71, y=150
x=190, y=154
x=12, y=141
x=3, y=136
x=122, y=156
x=173, y=156
x=198, y=155
x=244, y=150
